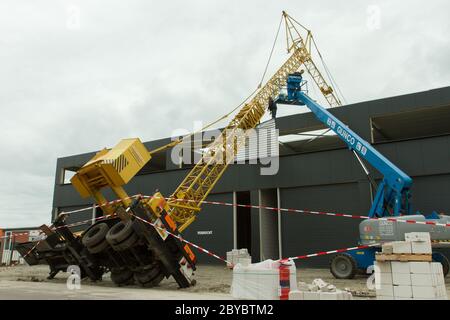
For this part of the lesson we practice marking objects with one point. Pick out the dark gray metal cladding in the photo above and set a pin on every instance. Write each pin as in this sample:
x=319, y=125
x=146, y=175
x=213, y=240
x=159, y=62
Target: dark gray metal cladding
x=325, y=178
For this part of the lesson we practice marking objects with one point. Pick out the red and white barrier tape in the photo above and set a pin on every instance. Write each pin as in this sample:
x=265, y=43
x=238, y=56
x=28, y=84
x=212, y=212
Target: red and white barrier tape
x=184, y=240
x=323, y=213
x=252, y=207
x=323, y=253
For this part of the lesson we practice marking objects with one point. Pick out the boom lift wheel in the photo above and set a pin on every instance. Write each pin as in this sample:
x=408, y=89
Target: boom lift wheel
x=439, y=257
x=343, y=266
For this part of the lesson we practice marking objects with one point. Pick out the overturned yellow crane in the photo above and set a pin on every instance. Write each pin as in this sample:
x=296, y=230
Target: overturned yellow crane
x=123, y=242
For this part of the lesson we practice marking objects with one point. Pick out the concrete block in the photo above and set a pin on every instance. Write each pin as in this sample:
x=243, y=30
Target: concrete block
x=387, y=248
x=422, y=247
x=319, y=283
x=418, y=236
x=400, y=267
x=296, y=295
x=303, y=286
x=331, y=295
x=422, y=279
x=329, y=288
x=420, y=267
x=383, y=266
x=313, y=288
x=383, y=278
x=424, y=292
x=243, y=251
x=438, y=279
x=347, y=295
x=436, y=268
x=403, y=292
x=244, y=261
x=401, y=247
x=385, y=290
x=441, y=291
x=401, y=279
x=311, y=295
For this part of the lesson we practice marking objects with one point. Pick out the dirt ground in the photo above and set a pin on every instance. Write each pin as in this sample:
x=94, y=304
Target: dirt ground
x=213, y=282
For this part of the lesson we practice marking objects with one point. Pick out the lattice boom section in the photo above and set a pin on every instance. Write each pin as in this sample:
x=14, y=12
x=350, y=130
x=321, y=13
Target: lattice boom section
x=202, y=178
x=326, y=90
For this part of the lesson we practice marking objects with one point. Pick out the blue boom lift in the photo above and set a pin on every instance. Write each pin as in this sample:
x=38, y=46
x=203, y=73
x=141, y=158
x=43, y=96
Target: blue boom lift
x=392, y=198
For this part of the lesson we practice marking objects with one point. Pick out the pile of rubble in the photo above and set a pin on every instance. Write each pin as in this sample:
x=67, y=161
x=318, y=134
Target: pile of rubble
x=319, y=290
x=404, y=270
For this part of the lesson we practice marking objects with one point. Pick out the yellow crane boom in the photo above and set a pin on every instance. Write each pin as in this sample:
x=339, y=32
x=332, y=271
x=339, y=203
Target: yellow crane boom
x=188, y=197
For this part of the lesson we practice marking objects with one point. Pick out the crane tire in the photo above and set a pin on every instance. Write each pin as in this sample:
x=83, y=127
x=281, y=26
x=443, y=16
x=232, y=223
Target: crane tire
x=119, y=232
x=343, y=266
x=127, y=243
x=95, y=235
x=122, y=277
x=99, y=247
x=149, y=278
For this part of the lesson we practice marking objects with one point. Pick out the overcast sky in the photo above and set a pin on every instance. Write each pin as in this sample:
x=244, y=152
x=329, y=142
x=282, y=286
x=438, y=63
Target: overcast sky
x=77, y=76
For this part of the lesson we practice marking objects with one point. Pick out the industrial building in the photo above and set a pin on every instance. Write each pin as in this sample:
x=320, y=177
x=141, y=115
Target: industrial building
x=9, y=237
x=412, y=130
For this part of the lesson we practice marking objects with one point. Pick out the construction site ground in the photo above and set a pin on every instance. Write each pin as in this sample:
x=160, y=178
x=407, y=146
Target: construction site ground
x=213, y=282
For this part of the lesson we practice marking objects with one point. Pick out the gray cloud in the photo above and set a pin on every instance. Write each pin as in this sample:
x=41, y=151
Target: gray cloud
x=145, y=68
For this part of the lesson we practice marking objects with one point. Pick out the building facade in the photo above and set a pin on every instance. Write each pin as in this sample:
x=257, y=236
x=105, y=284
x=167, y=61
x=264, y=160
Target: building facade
x=315, y=173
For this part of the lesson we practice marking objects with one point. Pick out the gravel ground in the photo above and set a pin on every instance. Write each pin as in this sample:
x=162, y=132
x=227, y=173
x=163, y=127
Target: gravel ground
x=213, y=282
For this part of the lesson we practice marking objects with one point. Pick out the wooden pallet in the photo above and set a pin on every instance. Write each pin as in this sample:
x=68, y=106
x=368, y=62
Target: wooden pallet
x=403, y=257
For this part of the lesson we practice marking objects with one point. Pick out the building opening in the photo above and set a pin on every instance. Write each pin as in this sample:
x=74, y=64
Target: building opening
x=268, y=224
x=243, y=222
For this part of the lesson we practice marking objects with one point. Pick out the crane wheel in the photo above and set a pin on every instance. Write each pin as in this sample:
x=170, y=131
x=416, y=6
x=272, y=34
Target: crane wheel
x=120, y=232
x=95, y=235
x=122, y=276
x=99, y=247
x=343, y=266
x=127, y=243
x=149, y=278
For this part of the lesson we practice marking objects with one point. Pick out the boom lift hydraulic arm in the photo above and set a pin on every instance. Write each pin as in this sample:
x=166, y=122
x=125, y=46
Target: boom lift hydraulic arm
x=393, y=193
